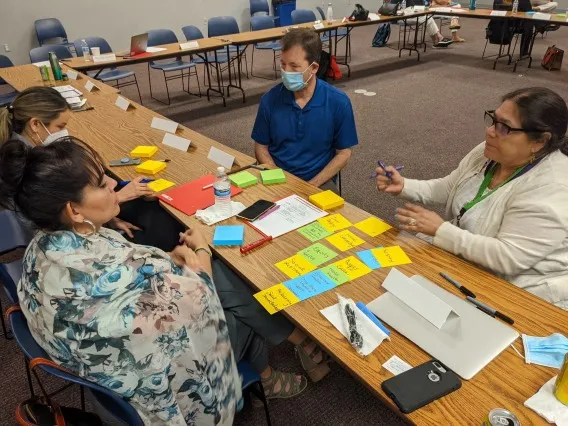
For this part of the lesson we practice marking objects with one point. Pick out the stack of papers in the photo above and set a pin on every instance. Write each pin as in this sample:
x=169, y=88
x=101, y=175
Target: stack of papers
x=72, y=96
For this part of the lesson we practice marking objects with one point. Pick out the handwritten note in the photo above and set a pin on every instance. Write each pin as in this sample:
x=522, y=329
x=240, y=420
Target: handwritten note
x=373, y=226
x=369, y=259
x=334, y=222
x=345, y=240
x=314, y=231
x=318, y=254
x=276, y=298
x=353, y=267
x=310, y=285
x=335, y=274
x=391, y=256
x=295, y=266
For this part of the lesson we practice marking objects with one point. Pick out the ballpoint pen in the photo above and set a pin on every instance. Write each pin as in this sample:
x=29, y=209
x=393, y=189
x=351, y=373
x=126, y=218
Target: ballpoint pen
x=126, y=182
x=384, y=167
x=270, y=210
x=457, y=285
x=489, y=310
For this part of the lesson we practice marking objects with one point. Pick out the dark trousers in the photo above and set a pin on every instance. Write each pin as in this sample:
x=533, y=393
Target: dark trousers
x=251, y=327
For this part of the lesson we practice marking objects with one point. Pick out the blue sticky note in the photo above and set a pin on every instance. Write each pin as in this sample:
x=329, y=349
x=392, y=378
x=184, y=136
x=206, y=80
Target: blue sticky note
x=229, y=235
x=369, y=259
x=310, y=285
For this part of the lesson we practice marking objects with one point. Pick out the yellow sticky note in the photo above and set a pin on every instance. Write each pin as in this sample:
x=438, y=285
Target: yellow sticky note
x=276, y=298
x=334, y=222
x=160, y=184
x=326, y=200
x=373, y=226
x=391, y=256
x=151, y=167
x=295, y=266
x=143, y=151
x=352, y=267
x=345, y=240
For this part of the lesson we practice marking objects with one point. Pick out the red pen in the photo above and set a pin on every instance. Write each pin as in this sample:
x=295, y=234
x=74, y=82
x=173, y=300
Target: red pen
x=258, y=243
x=266, y=213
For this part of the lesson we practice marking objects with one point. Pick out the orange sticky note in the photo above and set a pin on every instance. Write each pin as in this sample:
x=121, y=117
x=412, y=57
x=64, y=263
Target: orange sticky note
x=276, y=298
x=352, y=267
x=295, y=266
x=373, y=226
x=334, y=222
x=391, y=256
x=345, y=240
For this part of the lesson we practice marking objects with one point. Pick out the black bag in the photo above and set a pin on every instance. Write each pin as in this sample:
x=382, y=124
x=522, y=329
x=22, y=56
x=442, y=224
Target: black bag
x=36, y=411
x=382, y=35
x=324, y=64
x=359, y=14
x=389, y=9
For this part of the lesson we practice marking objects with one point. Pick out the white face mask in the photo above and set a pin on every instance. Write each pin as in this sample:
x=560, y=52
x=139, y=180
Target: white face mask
x=52, y=137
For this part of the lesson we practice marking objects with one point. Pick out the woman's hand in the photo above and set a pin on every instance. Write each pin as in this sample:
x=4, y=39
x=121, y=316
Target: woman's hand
x=193, y=239
x=133, y=190
x=391, y=185
x=121, y=225
x=182, y=255
x=418, y=219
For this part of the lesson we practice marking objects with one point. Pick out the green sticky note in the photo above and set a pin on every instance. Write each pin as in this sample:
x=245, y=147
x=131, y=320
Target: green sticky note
x=243, y=179
x=270, y=177
x=314, y=231
x=335, y=274
x=318, y=254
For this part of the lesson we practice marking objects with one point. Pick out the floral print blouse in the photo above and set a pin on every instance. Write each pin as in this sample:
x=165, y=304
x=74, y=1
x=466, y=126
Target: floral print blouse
x=124, y=316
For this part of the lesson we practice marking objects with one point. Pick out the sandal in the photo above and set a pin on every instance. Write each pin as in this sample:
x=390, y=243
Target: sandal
x=316, y=370
x=289, y=385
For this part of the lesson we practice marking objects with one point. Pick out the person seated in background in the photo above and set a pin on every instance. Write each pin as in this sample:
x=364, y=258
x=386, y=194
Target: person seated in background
x=454, y=21
x=39, y=116
x=543, y=6
x=506, y=205
x=163, y=330
x=304, y=125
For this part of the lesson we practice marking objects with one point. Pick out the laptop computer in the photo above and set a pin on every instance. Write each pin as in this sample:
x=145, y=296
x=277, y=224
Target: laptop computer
x=465, y=343
x=138, y=45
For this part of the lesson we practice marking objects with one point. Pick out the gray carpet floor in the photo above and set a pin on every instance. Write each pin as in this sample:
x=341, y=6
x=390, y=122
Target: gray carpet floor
x=426, y=116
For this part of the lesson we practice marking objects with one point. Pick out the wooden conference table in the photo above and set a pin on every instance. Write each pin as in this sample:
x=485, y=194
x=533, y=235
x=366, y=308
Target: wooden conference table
x=506, y=382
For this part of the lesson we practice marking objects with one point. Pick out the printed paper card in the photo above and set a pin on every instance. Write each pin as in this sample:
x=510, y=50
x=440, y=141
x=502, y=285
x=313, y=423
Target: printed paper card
x=318, y=254
x=334, y=222
x=310, y=285
x=335, y=274
x=352, y=267
x=276, y=298
x=391, y=256
x=314, y=231
x=295, y=266
x=373, y=226
x=345, y=240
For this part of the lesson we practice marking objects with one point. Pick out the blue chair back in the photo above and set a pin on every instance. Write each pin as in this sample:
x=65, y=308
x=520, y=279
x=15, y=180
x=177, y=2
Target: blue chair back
x=99, y=42
x=222, y=25
x=13, y=235
x=5, y=62
x=111, y=401
x=191, y=32
x=303, y=16
x=49, y=29
x=320, y=11
x=10, y=274
x=39, y=54
x=257, y=6
x=161, y=36
x=261, y=22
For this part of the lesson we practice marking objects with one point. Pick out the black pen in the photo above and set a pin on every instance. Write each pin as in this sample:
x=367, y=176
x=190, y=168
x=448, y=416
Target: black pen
x=490, y=311
x=84, y=109
x=457, y=285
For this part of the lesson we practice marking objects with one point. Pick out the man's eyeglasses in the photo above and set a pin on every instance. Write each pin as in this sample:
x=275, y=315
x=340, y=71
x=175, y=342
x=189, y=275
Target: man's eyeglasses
x=502, y=128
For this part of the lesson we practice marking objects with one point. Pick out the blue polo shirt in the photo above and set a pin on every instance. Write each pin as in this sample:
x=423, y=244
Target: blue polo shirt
x=303, y=141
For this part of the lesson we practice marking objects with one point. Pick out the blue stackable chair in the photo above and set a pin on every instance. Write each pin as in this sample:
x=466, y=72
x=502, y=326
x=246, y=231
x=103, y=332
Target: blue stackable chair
x=251, y=382
x=261, y=6
x=6, y=98
x=112, y=74
x=263, y=22
x=113, y=403
x=165, y=36
x=341, y=33
x=303, y=16
x=51, y=31
x=220, y=26
x=40, y=54
x=10, y=274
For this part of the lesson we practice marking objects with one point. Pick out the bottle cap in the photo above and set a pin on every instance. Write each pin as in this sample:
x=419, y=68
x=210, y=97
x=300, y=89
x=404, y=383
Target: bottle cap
x=220, y=170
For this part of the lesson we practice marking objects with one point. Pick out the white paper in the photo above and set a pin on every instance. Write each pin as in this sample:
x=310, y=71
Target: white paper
x=294, y=212
x=547, y=405
x=155, y=49
x=189, y=45
x=65, y=88
x=430, y=306
x=210, y=216
x=176, y=142
x=122, y=103
x=441, y=9
x=72, y=75
x=90, y=86
x=396, y=365
x=165, y=125
x=73, y=100
x=498, y=13
x=104, y=58
x=221, y=158
x=42, y=63
x=319, y=26
x=71, y=94
x=419, y=9
x=541, y=16
x=374, y=17
x=76, y=102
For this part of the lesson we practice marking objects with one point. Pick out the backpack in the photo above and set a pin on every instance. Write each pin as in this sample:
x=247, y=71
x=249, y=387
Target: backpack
x=382, y=35
x=324, y=65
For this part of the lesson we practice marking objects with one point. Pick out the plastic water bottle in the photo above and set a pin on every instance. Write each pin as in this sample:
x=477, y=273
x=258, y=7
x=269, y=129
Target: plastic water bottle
x=86, y=51
x=330, y=13
x=403, y=5
x=472, y=4
x=222, y=191
x=515, y=7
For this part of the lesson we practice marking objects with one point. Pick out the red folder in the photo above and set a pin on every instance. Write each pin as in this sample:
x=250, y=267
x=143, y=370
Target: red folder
x=191, y=197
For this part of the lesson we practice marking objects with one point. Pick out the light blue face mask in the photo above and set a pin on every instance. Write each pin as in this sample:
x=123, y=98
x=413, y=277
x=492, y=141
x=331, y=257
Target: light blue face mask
x=294, y=81
x=548, y=351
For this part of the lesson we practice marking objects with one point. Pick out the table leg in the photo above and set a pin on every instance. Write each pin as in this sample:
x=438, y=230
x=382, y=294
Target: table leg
x=210, y=88
x=239, y=66
x=529, y=56
x=411, y=48
x=345, y=58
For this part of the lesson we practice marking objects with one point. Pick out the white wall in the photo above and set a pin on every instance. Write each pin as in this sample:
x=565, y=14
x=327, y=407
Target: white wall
x=118, y=20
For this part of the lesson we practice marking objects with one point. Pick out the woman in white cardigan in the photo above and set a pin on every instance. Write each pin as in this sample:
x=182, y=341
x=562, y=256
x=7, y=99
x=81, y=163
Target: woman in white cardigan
x=506, y=205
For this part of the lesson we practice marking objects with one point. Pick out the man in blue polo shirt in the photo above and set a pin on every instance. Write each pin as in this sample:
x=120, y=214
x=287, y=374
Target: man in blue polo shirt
x=304, y=125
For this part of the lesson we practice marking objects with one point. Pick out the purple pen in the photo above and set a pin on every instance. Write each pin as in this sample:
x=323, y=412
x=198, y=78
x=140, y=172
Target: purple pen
x=270, y=210
x=387, y=174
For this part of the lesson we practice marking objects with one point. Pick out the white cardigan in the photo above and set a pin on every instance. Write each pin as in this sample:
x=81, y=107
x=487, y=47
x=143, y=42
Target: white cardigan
x=523, y=233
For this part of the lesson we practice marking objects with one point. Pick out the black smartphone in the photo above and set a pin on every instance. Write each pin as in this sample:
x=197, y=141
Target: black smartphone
x=421, y=385
x=256, y=210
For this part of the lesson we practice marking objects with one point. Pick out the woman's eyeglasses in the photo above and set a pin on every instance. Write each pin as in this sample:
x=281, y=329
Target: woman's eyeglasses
x=502, y=128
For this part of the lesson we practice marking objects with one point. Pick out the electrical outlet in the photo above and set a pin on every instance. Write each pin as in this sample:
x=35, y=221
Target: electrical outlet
x=6, y=48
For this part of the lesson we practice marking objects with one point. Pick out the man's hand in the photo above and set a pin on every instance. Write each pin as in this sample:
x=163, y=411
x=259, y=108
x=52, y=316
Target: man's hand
x=418, y=219
x=121, y=225
x=135, y=189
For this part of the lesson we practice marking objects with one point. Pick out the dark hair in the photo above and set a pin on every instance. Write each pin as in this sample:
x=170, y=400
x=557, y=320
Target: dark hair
x=541, y=108
x=45, y=103
x=38, y=182
x=307, y=39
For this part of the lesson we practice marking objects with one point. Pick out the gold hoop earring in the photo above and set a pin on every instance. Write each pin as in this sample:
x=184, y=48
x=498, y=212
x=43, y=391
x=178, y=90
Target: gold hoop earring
x=88, y=222
x=533, y=158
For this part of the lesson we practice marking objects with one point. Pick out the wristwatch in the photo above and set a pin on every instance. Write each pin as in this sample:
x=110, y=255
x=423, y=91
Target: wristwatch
x=206, y=250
